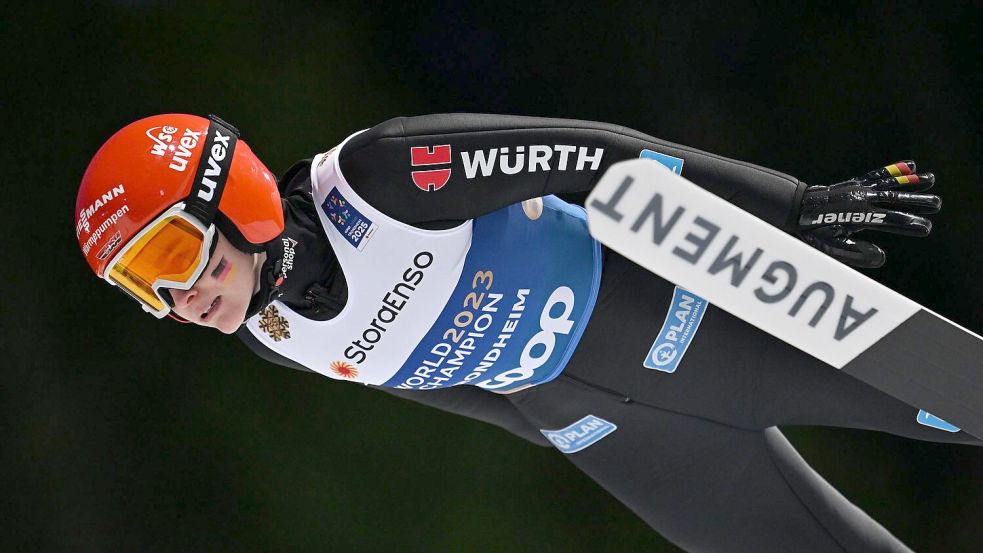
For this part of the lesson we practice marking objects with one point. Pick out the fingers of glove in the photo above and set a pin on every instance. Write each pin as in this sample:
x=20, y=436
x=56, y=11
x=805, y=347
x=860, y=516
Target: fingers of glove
x=916, y=203
x=857, y=253
x=895, y=222
x=909, y=183
x=820, y=238
x=898, y=169
x=860, y=253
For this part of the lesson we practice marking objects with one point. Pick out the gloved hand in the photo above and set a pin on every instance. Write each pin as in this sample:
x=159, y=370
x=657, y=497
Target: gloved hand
x=884, y=199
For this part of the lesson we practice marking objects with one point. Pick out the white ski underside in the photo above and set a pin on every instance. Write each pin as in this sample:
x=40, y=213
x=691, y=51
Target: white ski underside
x=770, y=279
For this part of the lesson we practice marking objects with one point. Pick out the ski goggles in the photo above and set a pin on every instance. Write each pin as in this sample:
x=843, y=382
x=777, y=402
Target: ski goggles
x=170, y=252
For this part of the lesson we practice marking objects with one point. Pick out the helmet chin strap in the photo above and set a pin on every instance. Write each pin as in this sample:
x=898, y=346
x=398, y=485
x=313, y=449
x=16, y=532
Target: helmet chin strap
x=259, y=259
x=178, y=318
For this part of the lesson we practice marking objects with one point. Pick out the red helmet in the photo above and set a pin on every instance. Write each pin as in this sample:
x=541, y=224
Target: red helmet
x=150, y=166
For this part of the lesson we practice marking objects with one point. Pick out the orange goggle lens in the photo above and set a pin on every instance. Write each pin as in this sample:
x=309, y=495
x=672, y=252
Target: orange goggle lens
x=169, y=253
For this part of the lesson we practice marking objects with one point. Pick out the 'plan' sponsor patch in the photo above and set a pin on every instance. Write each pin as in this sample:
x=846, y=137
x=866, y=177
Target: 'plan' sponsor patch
x=580, y=435
x=682, y=321
x=675, y=164
x=927, y=419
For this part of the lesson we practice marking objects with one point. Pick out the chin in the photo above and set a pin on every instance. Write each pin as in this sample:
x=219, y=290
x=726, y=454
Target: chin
x=227, y=329
x=230, y=324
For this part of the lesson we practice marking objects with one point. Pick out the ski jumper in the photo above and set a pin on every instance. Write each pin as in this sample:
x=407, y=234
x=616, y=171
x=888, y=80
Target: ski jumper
x=690, y=445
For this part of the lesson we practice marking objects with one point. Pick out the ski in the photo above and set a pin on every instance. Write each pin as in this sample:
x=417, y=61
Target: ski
x=772, y=280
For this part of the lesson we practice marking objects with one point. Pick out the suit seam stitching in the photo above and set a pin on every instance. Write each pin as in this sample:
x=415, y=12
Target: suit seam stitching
x=623, y=396
x=801, y=501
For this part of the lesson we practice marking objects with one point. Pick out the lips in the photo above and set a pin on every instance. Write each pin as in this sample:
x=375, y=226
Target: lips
x=209, y=313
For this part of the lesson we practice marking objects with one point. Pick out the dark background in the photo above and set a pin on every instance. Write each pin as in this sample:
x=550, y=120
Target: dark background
x=120, y=432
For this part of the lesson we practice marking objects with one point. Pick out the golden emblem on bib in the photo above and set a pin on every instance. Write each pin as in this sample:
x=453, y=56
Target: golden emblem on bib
x=274, y=324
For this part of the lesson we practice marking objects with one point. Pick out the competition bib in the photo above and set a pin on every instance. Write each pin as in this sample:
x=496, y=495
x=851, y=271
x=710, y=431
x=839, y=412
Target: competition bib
x=498, y=302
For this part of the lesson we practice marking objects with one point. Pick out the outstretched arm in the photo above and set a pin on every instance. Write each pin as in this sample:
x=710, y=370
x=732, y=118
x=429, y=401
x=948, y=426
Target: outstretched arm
x=435, y=171
x=453, y=167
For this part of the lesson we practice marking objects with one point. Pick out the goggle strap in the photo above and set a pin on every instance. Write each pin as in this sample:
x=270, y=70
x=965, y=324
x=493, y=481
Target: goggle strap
x=213, y=170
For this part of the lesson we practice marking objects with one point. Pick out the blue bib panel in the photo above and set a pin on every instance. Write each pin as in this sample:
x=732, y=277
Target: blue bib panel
x=520, y=307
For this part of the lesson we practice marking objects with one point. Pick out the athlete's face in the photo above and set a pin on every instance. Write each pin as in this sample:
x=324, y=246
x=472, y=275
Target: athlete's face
x=221, y=296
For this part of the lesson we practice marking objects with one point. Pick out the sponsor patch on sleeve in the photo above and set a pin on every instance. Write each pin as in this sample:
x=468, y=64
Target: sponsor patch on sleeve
x=682, y=321
x=580, y=435
x=675, y=164
x=355, y=227
x=927, y=419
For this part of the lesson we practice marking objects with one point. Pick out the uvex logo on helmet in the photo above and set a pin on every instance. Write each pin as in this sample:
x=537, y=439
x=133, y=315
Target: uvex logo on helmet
x=163, y=137
x=218, y=152
x=430, y=179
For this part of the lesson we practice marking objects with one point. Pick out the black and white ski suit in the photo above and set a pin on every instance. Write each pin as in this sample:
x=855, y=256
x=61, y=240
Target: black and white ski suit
x=697, y=453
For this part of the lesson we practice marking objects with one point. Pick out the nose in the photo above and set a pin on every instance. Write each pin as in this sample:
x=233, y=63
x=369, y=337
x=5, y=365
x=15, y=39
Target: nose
x=182, y=298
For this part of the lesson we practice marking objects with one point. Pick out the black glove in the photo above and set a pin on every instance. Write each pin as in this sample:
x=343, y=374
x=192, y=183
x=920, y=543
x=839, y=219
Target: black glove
x=831, y=214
